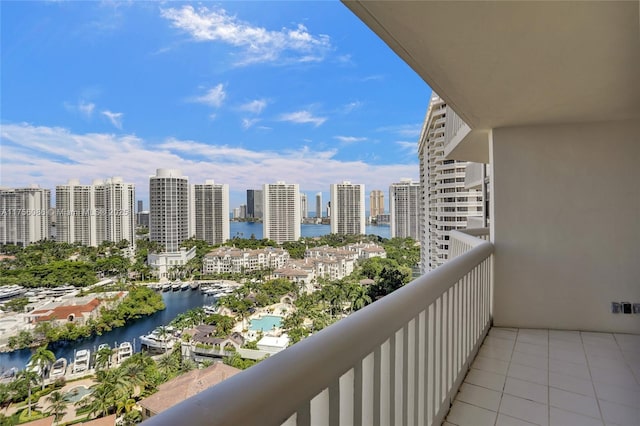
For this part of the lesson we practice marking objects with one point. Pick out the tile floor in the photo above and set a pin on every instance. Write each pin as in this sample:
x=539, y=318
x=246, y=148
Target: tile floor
x=551, y=378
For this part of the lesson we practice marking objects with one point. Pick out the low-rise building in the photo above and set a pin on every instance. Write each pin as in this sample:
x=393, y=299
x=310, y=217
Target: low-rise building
x=236, y=261
x=164, y=265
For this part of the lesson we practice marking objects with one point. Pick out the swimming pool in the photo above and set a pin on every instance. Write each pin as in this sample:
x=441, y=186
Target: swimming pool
x=266, y=323
x=77, y=393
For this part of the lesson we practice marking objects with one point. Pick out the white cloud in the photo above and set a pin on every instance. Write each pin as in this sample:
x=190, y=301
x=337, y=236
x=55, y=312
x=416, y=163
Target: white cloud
x=302, y=117
x=114, y=117
x=249, y=122
x=351, y=106
x=350, y=139
x=256, y=44
x=408, y=146
x=83, y=107
x=50, y=156
x=256, y=106
x=213, y=97
x=404, y=130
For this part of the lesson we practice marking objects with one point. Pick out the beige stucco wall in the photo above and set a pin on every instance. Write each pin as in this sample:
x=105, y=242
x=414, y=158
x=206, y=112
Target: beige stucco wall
x=566, y=225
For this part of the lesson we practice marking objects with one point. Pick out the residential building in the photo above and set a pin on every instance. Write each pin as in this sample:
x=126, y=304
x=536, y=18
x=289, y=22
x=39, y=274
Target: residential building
x=319, y=205
x=347, y=203
x=404, y=205
x=169, y=208
x=376, y=203
x=166, y=265
x=527, y=81
x=254, y=203
x=24, y=217
x=234, y=260
x=281, y=212
x=304, y=209
x=447, y=204
x=92, y=214
x=210, y=212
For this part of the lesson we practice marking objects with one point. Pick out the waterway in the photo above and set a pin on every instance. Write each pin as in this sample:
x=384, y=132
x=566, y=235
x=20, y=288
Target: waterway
x=176, y=302
x=246, y=229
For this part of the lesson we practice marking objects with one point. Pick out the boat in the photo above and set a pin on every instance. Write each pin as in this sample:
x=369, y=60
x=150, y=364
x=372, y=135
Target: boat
x=184, y=286
x=7, y=292
x=194, y=285
x=59, y=368
x=103, y=346
x=158, y=339
x=81, y=362
x=9, y=374
x=166, y=287
x=210, y=309
x=125, y=350
x=176, y=286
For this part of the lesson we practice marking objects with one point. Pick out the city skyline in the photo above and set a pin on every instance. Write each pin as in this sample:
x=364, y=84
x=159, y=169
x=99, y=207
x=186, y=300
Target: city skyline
x=186, y=94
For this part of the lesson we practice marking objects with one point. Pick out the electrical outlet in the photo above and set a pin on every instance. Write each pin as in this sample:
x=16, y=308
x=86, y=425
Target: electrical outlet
x=615, y=307
x=636, y=308
x=626, y=308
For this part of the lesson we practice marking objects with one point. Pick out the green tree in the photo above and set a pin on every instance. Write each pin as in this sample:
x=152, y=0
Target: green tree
x=58, y=405
x=103, y=358
x=29, y=378
x=40, y=361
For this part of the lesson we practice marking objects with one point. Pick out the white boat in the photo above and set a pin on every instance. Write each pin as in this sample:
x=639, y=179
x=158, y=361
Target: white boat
x=59, y=368
x=210, y=309
x=158, y=340
x=166, y=287
x=81, y=362
x=184, y=286
x=176, y=286
x=125, y=350
x=103, y=346
x=194, y=285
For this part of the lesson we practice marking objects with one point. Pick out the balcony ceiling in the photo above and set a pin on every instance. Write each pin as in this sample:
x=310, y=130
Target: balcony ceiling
x=519, y=63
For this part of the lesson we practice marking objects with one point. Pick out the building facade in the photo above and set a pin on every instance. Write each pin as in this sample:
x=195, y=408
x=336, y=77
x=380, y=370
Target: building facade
x=254, y=203
x=319, y=205
x=347, y=209
x=234, y=260
x=169, y=208
x=92, y=214
x=446, y=203
x=376, y=203
x=281, y=220
x=404, y=206
x=210, y=212
x=304, y=206
x=24, y=215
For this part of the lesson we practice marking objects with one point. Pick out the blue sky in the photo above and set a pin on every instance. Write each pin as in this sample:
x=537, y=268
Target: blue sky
x=244, y=93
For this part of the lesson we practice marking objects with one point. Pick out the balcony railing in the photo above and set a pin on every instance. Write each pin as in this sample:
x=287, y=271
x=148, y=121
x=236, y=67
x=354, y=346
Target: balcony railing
x=400, y=360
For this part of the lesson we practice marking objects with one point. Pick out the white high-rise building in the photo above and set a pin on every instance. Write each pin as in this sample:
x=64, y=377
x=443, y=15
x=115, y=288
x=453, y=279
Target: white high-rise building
x=304, y=209
x=169, y=208
x=210, y=212
x=281, y=221
x=92, y=214
x=25, y=215
x=446, y=203
x=319, y=205
x=404, y=204
x=347, y=208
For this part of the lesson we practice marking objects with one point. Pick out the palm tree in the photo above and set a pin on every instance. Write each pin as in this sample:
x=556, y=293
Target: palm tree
x=101, y=400
x=40, y=361
x=31, y=378
x=103, y=358
x=58, y=405
x=359, y=297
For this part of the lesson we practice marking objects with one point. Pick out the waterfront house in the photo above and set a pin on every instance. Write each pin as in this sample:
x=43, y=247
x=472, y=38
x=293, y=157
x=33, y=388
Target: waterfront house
x=67, y=312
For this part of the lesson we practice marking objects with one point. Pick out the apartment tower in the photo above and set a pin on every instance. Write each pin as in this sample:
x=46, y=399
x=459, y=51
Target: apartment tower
x=304, y=209
x=281, y=212
x=446, y=203
x=404, y=205
x=75, y=218
x=25, y=215
x=347, y=208
x=376, y=203
x=254, y=203
x=210, y=212
x=169, y=208
x=319, y=205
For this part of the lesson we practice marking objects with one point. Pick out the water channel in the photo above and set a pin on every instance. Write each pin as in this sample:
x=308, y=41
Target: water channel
x=176, y=302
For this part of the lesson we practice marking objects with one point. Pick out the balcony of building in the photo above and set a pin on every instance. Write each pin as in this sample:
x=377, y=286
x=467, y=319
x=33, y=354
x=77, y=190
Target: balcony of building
x=528, y=79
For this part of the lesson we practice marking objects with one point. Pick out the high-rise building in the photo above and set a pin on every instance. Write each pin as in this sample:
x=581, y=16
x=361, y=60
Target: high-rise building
x=347, y=208
x=25, y=215
x=254, y=203
x=404, y=205
x=92, y=214
x=210, y=212
x=169, y=208
x=304, y=209
x=446, y=203
x=376, y=203
x=140, y=206
x=281, y=212
x=319, y=205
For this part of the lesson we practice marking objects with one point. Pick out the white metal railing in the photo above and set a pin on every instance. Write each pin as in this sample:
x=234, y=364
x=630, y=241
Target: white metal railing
x=463, y=240
x=399, y=361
